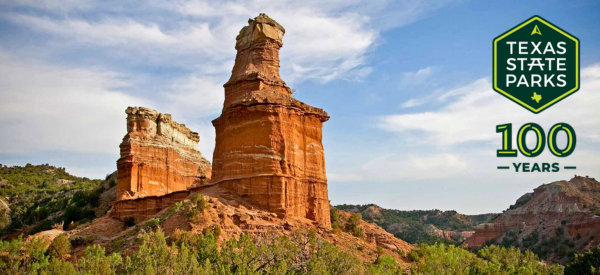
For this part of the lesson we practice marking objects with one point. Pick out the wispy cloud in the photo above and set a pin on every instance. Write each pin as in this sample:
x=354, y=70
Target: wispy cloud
x=323, y=41
x=413, y=102
x=51, y=5
x=471, y=110
x=52, y=108
x=126, y=33
x=422, y=80
x=418, y=77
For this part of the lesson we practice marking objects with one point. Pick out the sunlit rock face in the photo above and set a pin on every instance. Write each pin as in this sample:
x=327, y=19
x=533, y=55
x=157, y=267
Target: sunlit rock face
x=158, y=156
x=268, y=144
x=552, y=214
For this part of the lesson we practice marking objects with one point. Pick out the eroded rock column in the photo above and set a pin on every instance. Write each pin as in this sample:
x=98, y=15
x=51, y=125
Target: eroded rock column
x=268, y=144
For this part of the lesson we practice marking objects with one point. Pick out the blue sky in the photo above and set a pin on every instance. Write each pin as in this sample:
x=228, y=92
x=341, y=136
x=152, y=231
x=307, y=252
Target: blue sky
x=407, y=85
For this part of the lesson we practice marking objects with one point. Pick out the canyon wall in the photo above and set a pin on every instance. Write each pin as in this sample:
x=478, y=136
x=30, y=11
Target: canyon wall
x=158, y=156
x=557, y=217
x=268, y=144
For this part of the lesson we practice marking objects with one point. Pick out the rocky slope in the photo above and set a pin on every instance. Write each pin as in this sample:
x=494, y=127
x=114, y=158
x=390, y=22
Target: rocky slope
x=231, y=213
x=234, y=216
x=421, y=226
x=554, y=221
x=37, y=197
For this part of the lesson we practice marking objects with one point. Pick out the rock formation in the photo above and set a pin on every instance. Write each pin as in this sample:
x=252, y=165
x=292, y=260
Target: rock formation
x=158, y=156
x=556, y=218
x=451, y=235
x=268, y=144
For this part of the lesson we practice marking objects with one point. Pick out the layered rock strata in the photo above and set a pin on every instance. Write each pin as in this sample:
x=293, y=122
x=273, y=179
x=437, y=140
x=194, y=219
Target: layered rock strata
x=158, y=156
x=145, y=207
x=555, y=214
x=268, y=144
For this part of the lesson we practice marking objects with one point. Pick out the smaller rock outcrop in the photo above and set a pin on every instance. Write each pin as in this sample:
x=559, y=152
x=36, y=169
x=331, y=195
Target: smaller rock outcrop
x=451, y=235
x=158, y=156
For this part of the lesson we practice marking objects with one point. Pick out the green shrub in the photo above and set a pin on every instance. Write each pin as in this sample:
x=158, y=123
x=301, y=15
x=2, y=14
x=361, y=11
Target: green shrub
x=95, y=261
x=217, y=231
x=214, y=230
x=355, y=220
x=59, y=247
x=193, y=213
x=59, y=267
x=333, y=213
x=23, y=257
x=448, y=259
x=336, y=228
x=302, y=252
x=178, y=206
x=199, y=202
x=152, y=224
x=585, y=263
x=118, y=244
x=354, y=225
x=358, y=232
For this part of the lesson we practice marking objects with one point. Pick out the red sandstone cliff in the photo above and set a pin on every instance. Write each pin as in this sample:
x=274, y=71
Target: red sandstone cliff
x=268, y=144
x=158, y=156
x=554, y=221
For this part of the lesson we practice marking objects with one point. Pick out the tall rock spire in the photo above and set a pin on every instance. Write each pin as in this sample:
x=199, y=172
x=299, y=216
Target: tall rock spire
x=258, y=47
x=268, y=144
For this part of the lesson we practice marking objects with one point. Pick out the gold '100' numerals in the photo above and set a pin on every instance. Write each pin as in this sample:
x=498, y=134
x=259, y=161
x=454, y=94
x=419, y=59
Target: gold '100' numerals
x=507, y=151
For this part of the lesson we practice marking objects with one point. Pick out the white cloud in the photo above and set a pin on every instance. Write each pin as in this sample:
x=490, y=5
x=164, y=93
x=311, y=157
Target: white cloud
x=52, y=108
x=51, y=5
x=418, y=77
x=421, y=80
x=127, y=34
x=195, y=97
x=471, y=111
x=413, y=102
x=323, y=42
x=409, y=167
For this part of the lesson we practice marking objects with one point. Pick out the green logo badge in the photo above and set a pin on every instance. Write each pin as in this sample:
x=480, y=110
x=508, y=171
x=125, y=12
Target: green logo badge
x=536, y=64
